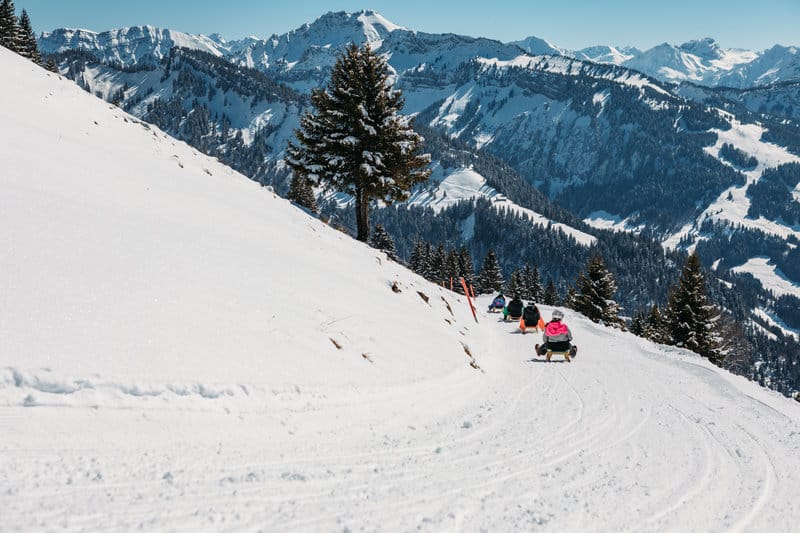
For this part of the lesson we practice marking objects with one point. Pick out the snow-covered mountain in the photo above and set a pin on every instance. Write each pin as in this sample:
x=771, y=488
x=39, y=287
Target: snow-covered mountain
x=182, y=349
x=704, y=62
x=538, y=47
x=127, y=46
x=606, y=54
x=701, y=61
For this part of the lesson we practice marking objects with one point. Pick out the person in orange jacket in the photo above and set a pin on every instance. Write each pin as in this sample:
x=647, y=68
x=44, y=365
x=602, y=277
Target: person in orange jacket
x=531, y=318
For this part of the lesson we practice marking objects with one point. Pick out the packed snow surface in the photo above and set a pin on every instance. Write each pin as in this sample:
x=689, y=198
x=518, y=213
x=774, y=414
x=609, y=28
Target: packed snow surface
x=181, y=349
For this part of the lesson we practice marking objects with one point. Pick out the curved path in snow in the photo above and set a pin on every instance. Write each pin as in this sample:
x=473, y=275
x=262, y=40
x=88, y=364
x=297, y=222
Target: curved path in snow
x=628, y=437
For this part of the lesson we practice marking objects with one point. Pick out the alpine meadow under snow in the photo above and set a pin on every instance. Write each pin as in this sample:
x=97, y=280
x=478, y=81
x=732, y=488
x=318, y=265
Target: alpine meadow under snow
x=182, y=349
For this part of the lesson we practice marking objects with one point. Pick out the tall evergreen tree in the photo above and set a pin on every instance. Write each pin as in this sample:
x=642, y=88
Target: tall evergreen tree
x=595, y=298
x=516, y=286
x=9, y=27
x=356, y=141
x=453, y=270
x=302, y=193
x=690, y=318
x=491, y=277
x=654, y=327
x=381, y=240
x=637, y=324
x=466, y=267
x=27, y=39
x=438, y=264
x=418, y=258
x=550, y=294
x=537, y=291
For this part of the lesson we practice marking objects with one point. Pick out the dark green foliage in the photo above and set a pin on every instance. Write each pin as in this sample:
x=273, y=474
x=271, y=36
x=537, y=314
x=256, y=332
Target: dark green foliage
x=637, y=324
x=516, y=285
x=690, y=317
x=772, y=195
x=550, y=294
x=788, y=309
x=302, y=193
x=27, y=40
x=491, y=277
x=595, y=294
x=9, y=26
x=381, y=240
x=356, y=141
x=654, y=326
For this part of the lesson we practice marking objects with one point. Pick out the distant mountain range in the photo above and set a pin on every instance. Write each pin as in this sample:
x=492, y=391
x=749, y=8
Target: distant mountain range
x=587, y=142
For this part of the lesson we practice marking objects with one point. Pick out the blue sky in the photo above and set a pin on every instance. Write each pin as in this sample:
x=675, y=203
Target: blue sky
x=571, y=24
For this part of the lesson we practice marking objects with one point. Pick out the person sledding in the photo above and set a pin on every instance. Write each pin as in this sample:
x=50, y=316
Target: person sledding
x=513, y=311
x=531, y=318
x=557, y=338
x=498, y=303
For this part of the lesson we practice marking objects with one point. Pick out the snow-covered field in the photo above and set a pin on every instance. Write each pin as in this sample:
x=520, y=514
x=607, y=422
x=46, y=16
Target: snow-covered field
x=182, y=350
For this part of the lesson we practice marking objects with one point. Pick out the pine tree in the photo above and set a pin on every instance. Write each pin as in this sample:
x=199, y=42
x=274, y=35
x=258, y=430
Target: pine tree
x=595, y=298
x=654, y=327
x=302, y=193
x=437, y=264
x=491, y=277
x=356, y=141
x=453, y=271
x=465, y=266
x=637, y=324
x=537, y=291
x=418, y=257
x=550, y=294
x=9, y=27
x=569, y=298
x=27, y=39
x=381, y=240
x=426, y=269
x=690, y=318
x=515, y=286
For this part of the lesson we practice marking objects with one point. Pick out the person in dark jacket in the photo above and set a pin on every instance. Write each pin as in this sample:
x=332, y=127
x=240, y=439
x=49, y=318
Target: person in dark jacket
x=531, y=318
x=557, y=338
x=514, y=309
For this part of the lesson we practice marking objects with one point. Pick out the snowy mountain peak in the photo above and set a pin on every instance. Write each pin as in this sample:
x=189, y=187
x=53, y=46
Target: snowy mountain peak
x=706, y=48
x=537, y=46
x=335, y=26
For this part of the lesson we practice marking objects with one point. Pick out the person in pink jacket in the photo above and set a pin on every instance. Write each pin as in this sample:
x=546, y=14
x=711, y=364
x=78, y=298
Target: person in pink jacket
x=557, y=338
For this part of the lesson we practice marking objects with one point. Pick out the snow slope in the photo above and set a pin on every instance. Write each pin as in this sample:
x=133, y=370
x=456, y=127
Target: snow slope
x=167, y=361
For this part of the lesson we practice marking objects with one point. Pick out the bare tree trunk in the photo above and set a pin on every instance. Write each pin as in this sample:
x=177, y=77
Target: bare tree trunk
x=362, y=215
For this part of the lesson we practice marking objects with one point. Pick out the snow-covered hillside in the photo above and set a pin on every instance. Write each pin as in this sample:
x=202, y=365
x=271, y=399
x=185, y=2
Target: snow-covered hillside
x=180, y=349
x=451, y=186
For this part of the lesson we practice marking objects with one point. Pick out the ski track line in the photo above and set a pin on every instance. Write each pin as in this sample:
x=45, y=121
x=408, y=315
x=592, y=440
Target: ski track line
x=698, y=485
x=767, y=487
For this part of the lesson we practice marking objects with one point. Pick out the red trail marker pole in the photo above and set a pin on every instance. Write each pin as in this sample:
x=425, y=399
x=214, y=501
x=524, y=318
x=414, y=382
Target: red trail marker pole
x=469, y=300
